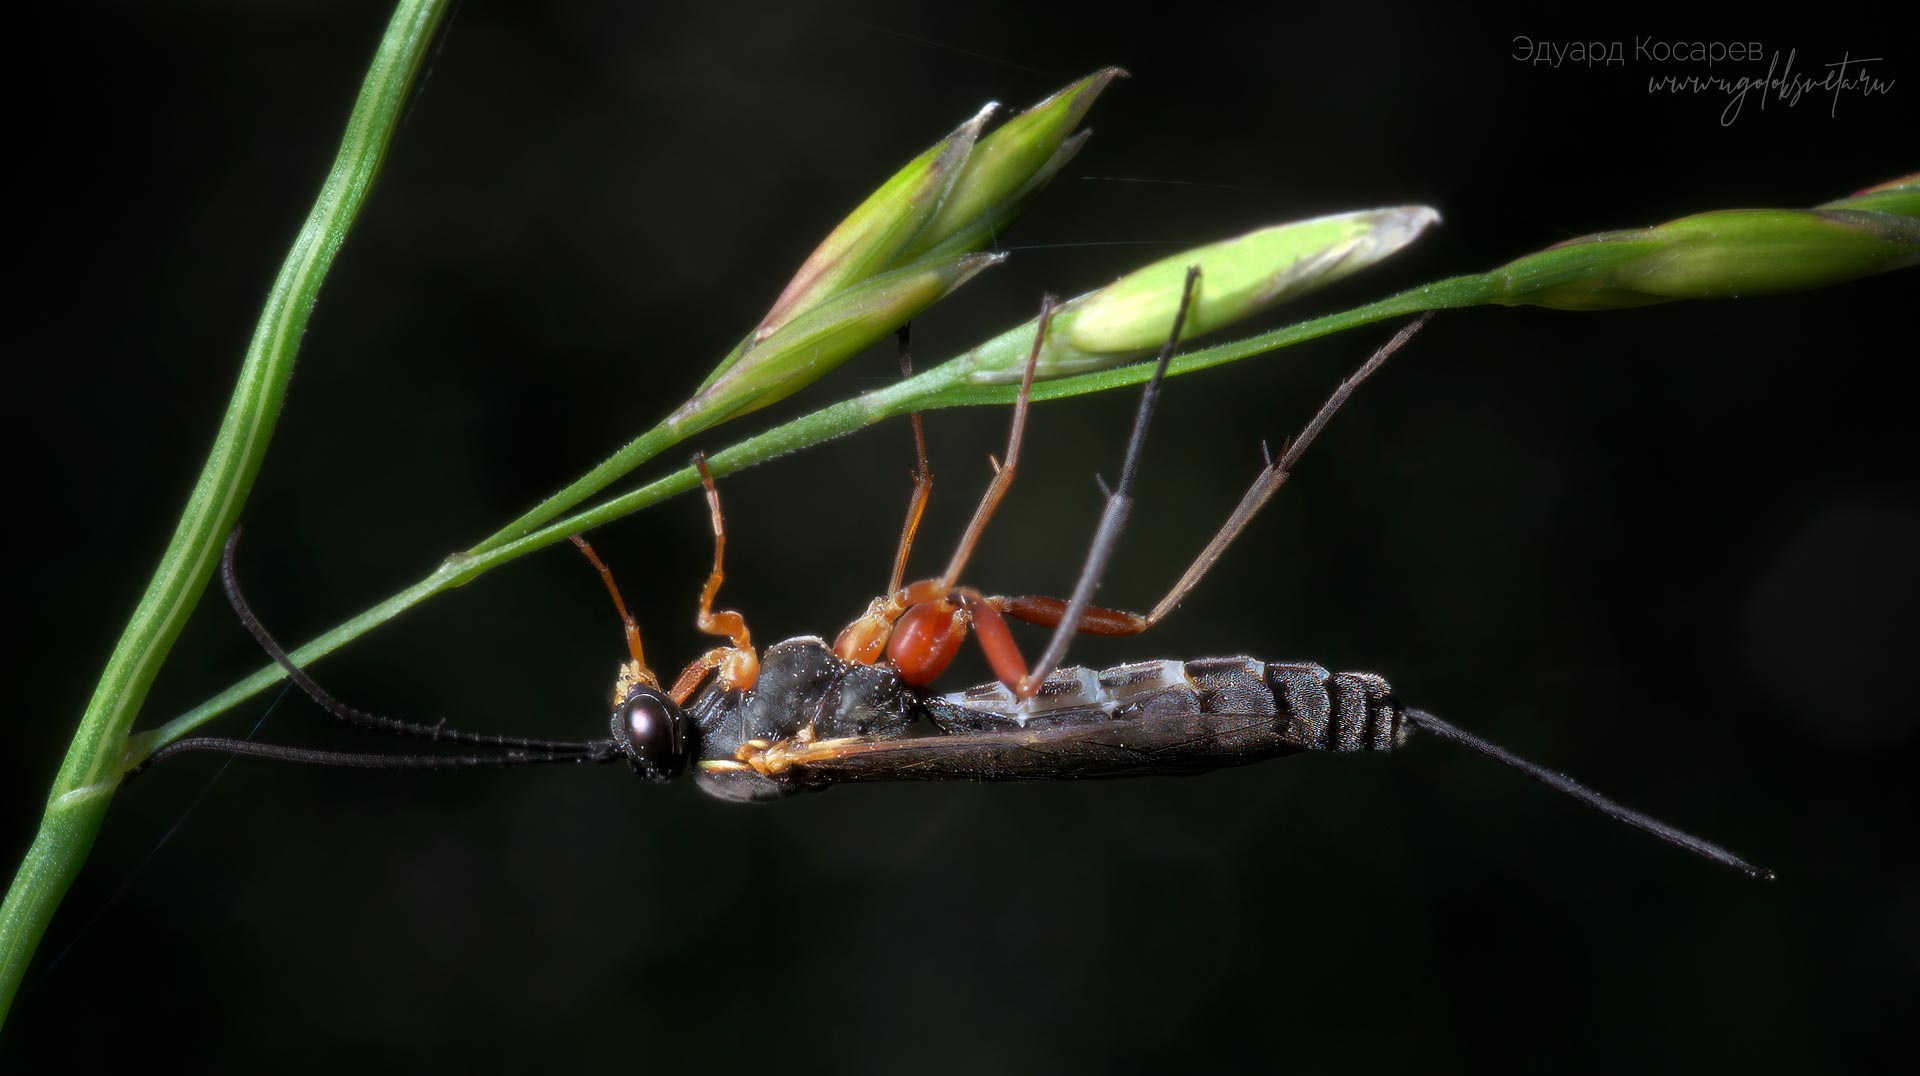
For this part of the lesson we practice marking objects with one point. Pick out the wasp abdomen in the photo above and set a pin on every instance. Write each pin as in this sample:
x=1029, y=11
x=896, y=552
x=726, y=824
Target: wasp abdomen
x=1311, y=708
x=1335, y=711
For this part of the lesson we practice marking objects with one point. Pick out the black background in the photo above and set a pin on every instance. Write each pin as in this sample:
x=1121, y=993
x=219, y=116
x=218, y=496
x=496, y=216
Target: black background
x=1670, y=550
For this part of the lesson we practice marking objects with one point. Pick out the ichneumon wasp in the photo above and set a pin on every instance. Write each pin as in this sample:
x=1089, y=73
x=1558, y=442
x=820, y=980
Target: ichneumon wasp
x=804, y=715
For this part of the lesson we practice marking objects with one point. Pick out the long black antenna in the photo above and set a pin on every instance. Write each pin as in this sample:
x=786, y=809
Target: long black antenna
x=353, y=715
x=1560, y=782
x=517, y=750
x=599, y=751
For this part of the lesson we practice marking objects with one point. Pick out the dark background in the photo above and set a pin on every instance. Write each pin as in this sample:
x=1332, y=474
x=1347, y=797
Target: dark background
x=1670, y=550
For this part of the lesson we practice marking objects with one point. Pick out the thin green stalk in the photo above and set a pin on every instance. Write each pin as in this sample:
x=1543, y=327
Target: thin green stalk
x=83, y=789
x=945, y=385
x=610, y=470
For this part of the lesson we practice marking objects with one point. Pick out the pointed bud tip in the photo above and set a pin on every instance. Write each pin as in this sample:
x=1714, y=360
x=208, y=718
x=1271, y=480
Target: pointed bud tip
x=1406, y=222
x=1091, y=86
x=1103, y=78
x=1082, y=95
x=1006, y=168
x=973, y=126
x=876, y=236
x=1240, y=276
x=1904, y=183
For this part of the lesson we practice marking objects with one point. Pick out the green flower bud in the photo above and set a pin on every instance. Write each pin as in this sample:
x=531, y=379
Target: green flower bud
x=951, y=200
x=1901, y=197
x=1238, y=278
x=872, y=237
x=1008, y=167
x=1723, y=254
x=824, y=336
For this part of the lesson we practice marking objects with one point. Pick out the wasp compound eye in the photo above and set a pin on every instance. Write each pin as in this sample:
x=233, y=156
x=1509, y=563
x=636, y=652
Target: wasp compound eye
x=652, y=731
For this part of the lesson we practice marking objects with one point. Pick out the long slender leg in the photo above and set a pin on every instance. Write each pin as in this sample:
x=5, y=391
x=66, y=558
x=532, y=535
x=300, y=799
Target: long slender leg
x=738, y=665
x=1275, y=474
x=1119, y=503
x=922, y=477
x=866, y=639
x=1092, y=620
x=1003, y=472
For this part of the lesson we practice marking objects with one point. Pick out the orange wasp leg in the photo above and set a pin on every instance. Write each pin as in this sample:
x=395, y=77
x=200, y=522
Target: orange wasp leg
x=996, y=642
x=868, y=638
x=635, y=671
x=1047, y=612
x=619, y=604
x=738, y=665
x=922, y=479
x=1002, y=472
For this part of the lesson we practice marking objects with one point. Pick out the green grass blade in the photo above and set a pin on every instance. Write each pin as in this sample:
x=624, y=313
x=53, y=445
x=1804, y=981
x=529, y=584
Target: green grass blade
x=84, y=786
